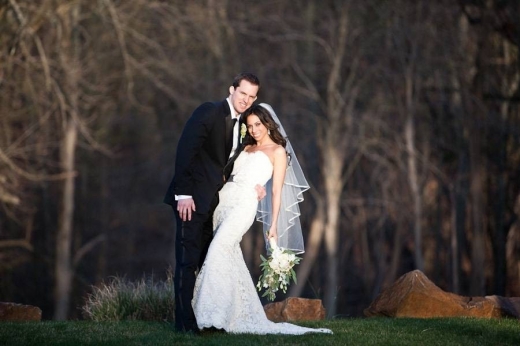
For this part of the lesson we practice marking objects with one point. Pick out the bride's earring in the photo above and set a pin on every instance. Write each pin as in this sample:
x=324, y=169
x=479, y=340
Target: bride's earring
x=268, y=132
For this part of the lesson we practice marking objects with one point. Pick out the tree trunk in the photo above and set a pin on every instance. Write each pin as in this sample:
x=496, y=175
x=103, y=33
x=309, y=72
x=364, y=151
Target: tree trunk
x=312, y=248
x=334, y=187
x=457, y=189
x=509, y=88
x=315, y=237
x=454, y=243
x=413, y=175
x=64, y=272
x=478, y=254
x=69, y=59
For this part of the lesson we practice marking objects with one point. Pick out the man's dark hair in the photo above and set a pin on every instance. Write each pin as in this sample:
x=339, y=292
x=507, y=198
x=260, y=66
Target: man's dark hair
x=251, y=78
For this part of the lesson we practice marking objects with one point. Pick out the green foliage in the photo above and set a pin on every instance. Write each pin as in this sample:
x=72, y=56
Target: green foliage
x=121, y=300
x=369, y=331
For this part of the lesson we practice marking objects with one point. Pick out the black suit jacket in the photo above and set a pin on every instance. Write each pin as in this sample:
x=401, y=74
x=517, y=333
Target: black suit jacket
x=202, y=154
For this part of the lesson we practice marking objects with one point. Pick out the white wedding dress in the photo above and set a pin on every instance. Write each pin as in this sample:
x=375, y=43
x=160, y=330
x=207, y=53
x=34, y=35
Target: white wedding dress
x=225, y=296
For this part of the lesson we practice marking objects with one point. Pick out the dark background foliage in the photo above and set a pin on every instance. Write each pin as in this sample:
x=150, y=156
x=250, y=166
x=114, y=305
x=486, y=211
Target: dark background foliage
x=404, y=115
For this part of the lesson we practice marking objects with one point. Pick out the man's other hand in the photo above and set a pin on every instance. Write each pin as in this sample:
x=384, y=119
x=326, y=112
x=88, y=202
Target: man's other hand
x=260, y=191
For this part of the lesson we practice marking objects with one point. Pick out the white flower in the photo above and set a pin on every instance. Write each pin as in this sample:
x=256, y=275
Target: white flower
x=243, y=131
x=277, y=270
x=273, y=264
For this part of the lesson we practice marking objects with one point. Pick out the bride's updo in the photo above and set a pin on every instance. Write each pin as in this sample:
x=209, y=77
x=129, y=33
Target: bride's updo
x=267, y=120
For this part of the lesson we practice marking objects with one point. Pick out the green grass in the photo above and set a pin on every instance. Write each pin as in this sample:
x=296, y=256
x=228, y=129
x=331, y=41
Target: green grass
x=370, y=331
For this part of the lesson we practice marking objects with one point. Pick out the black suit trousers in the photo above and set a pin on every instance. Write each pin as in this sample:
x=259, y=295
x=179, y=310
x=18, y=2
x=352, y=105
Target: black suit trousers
x=192, y=241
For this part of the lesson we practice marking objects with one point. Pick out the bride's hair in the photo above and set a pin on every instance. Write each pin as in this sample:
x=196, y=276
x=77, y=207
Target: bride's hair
x=267, y=120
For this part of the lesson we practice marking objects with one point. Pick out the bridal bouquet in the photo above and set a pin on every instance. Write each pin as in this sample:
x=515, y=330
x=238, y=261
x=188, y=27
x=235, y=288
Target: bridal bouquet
x=277, y=270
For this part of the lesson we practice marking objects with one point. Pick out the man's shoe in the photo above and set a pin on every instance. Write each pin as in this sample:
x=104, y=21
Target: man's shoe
x=212, y=330
x=185, y=330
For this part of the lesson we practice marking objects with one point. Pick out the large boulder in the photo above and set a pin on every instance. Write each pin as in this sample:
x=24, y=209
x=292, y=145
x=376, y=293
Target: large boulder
x=509, y=305
x=295, y=309
x=414, y=295
x=19, y=312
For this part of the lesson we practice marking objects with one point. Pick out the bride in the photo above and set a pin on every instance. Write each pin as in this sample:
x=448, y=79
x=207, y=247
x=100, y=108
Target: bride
x=225, y=296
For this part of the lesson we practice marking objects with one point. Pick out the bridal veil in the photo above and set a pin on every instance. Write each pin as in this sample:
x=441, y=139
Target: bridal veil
x=289, y=227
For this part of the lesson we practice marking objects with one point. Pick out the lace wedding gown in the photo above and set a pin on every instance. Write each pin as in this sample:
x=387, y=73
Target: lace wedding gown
x=225, y=296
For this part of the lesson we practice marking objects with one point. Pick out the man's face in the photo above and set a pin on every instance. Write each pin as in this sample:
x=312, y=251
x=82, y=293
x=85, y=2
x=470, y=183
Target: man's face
x=243, y=96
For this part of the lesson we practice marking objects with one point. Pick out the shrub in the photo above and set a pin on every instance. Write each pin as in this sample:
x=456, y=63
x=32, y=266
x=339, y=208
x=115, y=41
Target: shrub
x=120, y=300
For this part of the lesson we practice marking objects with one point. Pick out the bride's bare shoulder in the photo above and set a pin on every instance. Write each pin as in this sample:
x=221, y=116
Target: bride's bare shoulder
x=279, y=150
x=279, y=154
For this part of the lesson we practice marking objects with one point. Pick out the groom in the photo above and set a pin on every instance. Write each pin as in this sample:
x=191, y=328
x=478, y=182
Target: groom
x=208, y=141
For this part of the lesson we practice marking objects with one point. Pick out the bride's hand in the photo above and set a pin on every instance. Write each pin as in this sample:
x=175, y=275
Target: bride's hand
x=272, y=233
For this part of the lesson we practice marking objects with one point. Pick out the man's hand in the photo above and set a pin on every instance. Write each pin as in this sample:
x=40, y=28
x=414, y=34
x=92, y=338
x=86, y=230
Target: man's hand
x=185, y=207
x=260, y=191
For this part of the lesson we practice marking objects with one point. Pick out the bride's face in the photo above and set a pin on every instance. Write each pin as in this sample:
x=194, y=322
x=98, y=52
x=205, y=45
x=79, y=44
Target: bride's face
x=256, y=129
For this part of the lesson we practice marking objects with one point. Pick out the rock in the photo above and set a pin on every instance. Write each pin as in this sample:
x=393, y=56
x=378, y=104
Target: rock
x=295, y=309
x=19, y=312
x=509, y=305
x=414, y=295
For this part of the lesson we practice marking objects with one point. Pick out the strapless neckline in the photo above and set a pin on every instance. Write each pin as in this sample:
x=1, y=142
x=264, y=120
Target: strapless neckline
x=258, y=151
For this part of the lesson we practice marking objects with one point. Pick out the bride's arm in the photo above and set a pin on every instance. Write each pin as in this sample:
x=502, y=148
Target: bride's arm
x=280, y=165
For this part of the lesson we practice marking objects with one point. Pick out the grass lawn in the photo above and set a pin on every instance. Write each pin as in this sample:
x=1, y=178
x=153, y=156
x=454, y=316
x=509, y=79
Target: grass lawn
x=368, y=331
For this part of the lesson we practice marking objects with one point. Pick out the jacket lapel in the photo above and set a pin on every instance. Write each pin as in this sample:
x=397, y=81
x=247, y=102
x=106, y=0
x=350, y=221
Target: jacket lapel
x=229, y=134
